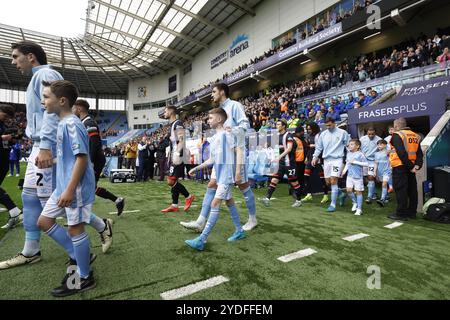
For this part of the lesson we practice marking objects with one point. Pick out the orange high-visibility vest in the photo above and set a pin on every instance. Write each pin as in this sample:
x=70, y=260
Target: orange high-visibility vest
x=299, y=152
x=411, y=141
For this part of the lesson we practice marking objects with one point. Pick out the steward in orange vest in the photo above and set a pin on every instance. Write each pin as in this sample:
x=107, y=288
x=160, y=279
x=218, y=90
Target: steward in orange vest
x=405, y=158
x=300, y=156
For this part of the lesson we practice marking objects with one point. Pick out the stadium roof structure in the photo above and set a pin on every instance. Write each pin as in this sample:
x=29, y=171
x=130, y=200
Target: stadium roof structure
x=126, y=40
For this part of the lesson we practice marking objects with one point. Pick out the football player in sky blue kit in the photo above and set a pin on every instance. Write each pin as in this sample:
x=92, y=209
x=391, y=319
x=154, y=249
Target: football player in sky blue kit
x=75, y=187
x=238, y=122
x=331, y=144
x=224, y=159
x=383, y=170
x=369, y=148
x=356, y=161
x=30, y=59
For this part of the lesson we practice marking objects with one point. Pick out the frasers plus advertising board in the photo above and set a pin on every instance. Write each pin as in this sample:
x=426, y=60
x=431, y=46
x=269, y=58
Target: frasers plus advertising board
x=424, y=98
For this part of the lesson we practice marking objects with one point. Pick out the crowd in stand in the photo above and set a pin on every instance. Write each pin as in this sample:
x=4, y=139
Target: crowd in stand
x=290, y=41
x=111, y=133
x=281, y=102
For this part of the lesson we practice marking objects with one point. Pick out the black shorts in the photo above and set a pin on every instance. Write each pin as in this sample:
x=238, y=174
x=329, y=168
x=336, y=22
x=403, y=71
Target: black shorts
x=176, y=171
x=98, y=169
x=290, y=171
x=309, y=169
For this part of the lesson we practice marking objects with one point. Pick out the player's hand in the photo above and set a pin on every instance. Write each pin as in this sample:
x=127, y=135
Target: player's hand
x=66, y=199
x=351, y=162
x=44, y=159
x=192, y=172
x=276, y=160
x=314, y=162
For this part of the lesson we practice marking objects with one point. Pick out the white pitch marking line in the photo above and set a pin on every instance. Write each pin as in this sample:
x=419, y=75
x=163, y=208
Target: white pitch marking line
x=297, y=255
x=131, y=211
x=394, y=225
x=355, y=237
x=193, y=288
x=3, y=210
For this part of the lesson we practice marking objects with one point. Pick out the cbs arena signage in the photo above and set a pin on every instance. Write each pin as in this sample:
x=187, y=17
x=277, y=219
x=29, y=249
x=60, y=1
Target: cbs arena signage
x=240, y=43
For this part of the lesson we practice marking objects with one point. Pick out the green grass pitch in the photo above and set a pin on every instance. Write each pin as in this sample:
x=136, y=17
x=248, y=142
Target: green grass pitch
x=149, y=256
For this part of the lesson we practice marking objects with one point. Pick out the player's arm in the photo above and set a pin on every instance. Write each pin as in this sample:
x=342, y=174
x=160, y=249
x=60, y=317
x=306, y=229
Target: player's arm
x=360, y=161
x=48, y=129
x=239, y=161
x=95, y=142
x=205, y=164
x=6, y=137
x=318, y=151
x=345, y=170
x=79, y=168
x=180, y=133
x=286, y=152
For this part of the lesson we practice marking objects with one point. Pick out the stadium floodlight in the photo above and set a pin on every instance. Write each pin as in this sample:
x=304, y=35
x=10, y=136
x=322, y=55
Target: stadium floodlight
x=395, y=15
x=372, y=35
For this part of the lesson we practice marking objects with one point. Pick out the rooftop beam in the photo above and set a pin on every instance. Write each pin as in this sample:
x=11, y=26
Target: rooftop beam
x=115, y=67
x=125, y=51
x=141, y=72
x=242, y=6
x=153, y=24
x=82, y=67
x=63, y=63
x=201, y=19
x=128, y=51
x=101, y=69
x=5, y=74
x=142, y=41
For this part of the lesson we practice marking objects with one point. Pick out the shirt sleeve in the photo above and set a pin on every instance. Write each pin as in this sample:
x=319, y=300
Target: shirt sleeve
x=319, y=148
x=95, y=142
x=49, y=121
x=78, y=141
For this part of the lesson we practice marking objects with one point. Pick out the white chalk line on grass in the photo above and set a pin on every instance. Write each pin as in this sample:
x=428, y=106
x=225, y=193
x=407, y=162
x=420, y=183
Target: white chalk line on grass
x=394, y=225
x=3, y=210
x=355, y=237
x=130, y=211
x=193, y=288
x=297, y=255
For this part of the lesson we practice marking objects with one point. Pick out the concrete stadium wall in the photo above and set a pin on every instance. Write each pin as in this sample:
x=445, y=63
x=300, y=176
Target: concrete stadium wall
x=157, y=90
x=272, y=19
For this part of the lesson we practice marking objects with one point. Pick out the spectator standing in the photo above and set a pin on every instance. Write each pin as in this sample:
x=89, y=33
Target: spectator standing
x=14, y=158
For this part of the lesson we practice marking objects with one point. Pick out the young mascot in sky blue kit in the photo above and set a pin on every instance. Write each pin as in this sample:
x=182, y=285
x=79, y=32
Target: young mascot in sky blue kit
x=383, y=170
x=75, y=186
x=356, y=161
x=369, y=148
x=236, y=121
x=30, y=59
x=331, y=144
x=224, y=159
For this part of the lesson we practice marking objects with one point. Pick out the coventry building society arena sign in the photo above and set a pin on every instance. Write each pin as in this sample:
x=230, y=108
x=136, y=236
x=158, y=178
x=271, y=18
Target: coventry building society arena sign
x=239, y=44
